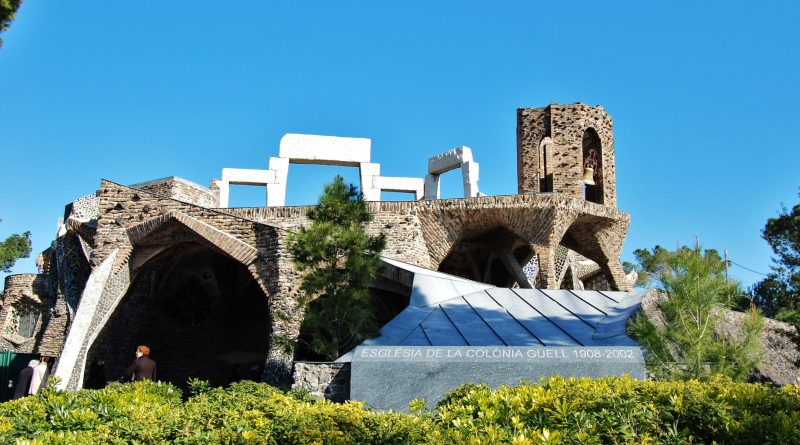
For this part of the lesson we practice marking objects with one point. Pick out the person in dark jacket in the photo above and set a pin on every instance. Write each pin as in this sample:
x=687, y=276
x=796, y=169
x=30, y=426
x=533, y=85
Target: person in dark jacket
x=142, y=368
x=24, y=380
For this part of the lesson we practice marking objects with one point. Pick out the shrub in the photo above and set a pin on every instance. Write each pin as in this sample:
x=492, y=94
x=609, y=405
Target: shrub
x=621, y=410
x=566, y=411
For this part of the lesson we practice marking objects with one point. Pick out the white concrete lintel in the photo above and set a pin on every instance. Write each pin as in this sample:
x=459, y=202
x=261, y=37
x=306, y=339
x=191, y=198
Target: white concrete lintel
x=246, y=176
x=400, y=184
x=449, y=160
x=325, y=150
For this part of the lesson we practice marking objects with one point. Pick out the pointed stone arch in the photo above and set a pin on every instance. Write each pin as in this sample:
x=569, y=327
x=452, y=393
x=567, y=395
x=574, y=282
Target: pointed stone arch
x=236, y=249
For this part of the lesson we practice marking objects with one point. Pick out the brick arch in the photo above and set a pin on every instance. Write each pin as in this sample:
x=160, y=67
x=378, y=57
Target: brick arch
x=540, y=220
x=236, y=249
x=597, y=239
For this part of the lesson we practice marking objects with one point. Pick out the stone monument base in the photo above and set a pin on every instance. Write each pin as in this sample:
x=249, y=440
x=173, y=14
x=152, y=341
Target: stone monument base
x=389, y=377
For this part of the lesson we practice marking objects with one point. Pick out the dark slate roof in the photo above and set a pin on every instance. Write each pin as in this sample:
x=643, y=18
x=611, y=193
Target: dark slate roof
x=451, y=311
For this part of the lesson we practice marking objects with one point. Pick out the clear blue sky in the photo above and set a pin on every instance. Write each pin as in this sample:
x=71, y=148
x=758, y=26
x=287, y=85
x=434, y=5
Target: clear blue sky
x=704, y=97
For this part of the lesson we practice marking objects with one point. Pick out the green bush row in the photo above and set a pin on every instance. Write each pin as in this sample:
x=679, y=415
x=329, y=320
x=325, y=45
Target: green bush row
x=586, y=411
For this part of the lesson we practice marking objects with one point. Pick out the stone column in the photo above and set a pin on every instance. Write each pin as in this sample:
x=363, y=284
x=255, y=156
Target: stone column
x=368, y=172
x=276, y=193
x=469, y=174
x=431, y=186
x=547, y=266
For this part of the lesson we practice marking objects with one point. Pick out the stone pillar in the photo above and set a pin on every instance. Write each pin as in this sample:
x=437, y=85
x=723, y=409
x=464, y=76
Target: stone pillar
x=431, y=186
x=547, y=266
x=615, y=275
x=276, y=193
x=368, y=172
x=516, y=271
x=224, y=192
x=469, y=174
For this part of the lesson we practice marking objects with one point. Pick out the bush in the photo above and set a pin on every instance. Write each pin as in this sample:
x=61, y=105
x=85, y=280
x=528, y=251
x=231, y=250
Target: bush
x=621, y=410
x=567, y=411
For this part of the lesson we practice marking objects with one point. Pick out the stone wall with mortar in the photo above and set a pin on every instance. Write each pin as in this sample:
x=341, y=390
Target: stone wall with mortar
x=26, y=292
x=565, y=125
x=182, y=190
x=418, y=232
x=127, y=213
x=328, y=380
x=425, y=232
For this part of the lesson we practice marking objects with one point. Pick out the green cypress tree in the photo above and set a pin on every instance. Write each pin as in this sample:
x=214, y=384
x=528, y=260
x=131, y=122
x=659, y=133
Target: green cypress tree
x=338, y=260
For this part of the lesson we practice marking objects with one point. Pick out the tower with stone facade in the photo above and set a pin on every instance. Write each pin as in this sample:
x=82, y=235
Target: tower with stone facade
x=553, y=144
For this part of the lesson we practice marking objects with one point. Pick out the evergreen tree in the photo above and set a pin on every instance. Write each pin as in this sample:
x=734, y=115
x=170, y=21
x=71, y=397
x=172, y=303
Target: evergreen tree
x=778, y=295
x=339, y=261
x=696, y=290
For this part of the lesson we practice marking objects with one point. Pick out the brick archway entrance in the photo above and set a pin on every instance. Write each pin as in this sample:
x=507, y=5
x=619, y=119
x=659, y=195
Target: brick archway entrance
x=202, y=314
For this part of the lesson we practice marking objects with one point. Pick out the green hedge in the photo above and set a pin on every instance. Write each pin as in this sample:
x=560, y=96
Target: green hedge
x=609, y=410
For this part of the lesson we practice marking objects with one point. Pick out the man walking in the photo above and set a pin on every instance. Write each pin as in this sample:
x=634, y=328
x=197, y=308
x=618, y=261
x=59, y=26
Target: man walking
x=142, y=368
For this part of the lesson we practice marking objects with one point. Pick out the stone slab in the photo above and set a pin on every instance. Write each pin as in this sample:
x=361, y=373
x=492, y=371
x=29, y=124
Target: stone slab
x=389, y=377
x=325, y=150
x=449, y=160
x=247, y=176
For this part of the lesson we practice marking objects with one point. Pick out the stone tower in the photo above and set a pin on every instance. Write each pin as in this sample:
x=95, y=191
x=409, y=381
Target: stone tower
x=553, y=144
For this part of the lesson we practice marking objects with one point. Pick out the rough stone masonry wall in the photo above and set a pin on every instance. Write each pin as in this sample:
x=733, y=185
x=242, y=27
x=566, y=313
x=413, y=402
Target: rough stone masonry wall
x=424, y=232
x=565, y=124
x=34, y=291
x=397, y=220
x=328, y=380
x=182, y=190
x=122, y=209
x=533, y=125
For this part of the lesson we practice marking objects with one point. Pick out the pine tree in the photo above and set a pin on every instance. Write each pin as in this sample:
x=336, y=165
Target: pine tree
x=696, y=291
x=338, y=260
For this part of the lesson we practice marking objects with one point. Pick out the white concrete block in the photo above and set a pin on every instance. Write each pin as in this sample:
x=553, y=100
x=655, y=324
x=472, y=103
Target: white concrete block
x=371, y=193
x=431, y=186
x=369, y=169
x=281, y=168
x=224, y=192
x=449, y=160
x=276, y=195
x=325, y=150
x=367, y=173
x=246, y=176
x=400, y=184
x=469, y=174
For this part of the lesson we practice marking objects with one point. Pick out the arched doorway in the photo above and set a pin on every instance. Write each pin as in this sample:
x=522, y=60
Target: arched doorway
x=494, y=257
x=593, y=154
x=201, y=312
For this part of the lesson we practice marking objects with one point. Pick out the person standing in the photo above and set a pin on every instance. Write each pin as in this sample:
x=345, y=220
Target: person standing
x=24, y=380
x=143, y=368
x=39, y=378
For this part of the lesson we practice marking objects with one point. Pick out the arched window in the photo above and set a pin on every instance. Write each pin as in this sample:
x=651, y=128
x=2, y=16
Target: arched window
x=22, y=321
x=593, y=159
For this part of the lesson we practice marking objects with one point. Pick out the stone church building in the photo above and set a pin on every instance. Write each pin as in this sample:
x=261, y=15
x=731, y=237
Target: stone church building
x=210, y=288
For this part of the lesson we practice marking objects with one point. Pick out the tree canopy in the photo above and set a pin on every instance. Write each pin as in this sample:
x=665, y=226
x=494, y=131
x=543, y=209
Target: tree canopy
x=778, y=294
x=338, y=260
x=8, y=10
x=13, y=248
